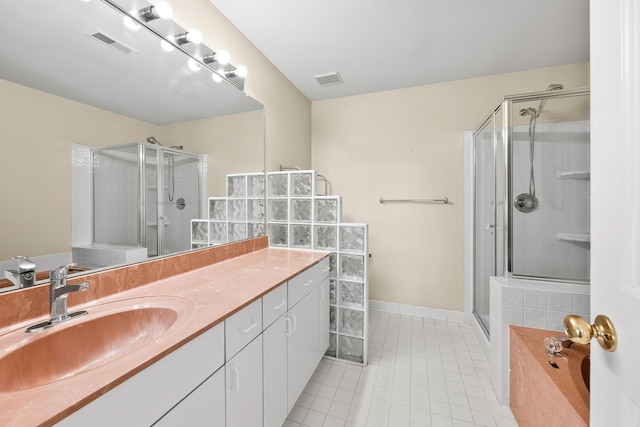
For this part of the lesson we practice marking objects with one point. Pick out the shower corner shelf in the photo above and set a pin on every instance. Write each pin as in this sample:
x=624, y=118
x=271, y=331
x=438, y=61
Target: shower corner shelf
x=574, y=237
x=573, y=174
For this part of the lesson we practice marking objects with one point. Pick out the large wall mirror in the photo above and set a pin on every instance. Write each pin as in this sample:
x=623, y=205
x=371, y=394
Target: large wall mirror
x=72, y=74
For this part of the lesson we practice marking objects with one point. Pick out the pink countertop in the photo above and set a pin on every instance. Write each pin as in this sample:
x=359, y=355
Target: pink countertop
x=211, y=294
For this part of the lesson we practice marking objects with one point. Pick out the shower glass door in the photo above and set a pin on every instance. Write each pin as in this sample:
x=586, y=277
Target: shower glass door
x=484, y=219
x=178, y=200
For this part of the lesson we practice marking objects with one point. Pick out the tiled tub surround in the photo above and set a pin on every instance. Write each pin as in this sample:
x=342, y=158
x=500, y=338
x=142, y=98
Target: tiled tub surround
x=217, y=281
x=534, y=304
x=540, y=393
x=297, y=218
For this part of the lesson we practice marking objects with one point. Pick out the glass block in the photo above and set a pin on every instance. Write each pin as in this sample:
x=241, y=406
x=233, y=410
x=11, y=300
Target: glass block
x=352, y=294
x=199, y=231
x=255, y=209
x=237, y=231
x=301, y=210
x=351, y=322
x=237, y=210
x=302, y=183
x=333, y=264
x=236, y=185
x=278, y=209
x=352, y=267
x=218, y=232
x=218, y=209
x=331, y=351
x=350, y=348
x=300, y=236
x=333, y=291
x=255, y=229
x=327, y=210
x=278, y=184
x=332, y=318
x=278, y=234
x=326, y=237
x=352, y=239
x=255, y=185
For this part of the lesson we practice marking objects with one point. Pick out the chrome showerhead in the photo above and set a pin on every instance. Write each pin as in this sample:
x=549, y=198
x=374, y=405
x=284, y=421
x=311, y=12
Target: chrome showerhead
x=177, y=147
x=153, y=140
x=530, y=111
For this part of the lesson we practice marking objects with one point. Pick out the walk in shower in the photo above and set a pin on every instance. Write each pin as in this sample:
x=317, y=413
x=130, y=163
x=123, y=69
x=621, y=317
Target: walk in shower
x=531, y=192
x=146, y=196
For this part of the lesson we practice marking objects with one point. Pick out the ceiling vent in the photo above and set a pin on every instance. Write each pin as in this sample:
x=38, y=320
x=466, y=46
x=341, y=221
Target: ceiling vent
x=328, y=79
x=113, y=43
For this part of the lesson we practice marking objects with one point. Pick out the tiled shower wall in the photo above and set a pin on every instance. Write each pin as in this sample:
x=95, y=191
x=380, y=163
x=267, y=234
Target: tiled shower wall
x=298, y=218
x=530, y=303
x=553, y=240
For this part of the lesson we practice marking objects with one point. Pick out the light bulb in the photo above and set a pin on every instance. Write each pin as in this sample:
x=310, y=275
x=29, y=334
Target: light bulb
x=241, y=71
x=130, y=23
x=193, y=64
x=216, y=78
x=166, y=46
x=223, y=57
x=163, y=10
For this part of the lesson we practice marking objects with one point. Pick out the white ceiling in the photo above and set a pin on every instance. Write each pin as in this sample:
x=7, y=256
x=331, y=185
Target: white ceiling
x=389, y=44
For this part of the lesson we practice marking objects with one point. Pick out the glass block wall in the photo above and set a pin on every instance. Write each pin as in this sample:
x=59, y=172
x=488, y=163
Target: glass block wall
x=297, y=218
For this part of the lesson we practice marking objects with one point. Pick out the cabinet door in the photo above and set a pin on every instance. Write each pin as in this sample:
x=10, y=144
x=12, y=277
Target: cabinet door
x=203, y=407
x=244, y=386
x=302, y=345
x=323, y=318
x=274, y=350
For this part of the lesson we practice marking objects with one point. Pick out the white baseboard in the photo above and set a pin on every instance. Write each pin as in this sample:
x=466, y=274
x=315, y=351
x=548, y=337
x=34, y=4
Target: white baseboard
x=417, y=311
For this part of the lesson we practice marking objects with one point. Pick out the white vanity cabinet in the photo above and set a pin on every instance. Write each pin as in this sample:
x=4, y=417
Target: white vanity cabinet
x=303, y=347
x=147, y=396
x=246, y=371
x=244, y=366
x=274, y=356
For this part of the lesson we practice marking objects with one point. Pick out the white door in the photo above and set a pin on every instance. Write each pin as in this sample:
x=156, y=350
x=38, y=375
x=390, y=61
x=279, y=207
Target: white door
x=615, y=207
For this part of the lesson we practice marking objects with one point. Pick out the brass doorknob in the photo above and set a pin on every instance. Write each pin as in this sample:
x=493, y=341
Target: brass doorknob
x=580, y=331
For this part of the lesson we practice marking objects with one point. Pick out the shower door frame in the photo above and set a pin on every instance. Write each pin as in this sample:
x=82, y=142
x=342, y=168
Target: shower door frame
x=507, y=104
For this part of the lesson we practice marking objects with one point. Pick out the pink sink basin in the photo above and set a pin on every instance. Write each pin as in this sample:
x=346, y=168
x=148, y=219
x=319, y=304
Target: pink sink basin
x=108, y=333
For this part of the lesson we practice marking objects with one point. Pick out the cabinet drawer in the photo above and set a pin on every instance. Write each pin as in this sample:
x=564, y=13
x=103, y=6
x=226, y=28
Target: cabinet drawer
x=274, y=305
x=242, y=327
x=309, y=279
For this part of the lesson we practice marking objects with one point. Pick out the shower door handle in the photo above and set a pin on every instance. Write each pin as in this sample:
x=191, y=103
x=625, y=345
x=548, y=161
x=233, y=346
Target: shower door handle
x=489, y=226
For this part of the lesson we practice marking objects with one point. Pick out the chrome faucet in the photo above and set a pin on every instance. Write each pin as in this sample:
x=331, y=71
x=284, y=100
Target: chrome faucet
x=59, y=291
x=25, y=275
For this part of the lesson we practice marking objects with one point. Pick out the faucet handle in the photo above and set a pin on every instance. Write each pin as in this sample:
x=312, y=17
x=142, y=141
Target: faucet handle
x=61, y=272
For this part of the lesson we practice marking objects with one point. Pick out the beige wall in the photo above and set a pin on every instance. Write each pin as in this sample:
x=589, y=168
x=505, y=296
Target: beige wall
x=36, y=132
x=233, y=144
x=287, y=111
x=408, y=143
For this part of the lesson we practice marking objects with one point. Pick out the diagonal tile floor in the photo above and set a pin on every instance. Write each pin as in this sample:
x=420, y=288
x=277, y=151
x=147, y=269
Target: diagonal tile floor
x=421, y=372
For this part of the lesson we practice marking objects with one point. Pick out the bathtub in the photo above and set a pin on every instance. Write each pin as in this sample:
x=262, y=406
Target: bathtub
x=542, y=394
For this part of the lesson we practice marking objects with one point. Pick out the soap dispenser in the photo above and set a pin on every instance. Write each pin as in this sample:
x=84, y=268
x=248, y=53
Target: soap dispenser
x=26, y=271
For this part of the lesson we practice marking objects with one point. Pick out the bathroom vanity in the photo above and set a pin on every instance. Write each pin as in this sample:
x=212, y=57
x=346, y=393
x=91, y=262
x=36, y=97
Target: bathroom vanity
x=231, y=343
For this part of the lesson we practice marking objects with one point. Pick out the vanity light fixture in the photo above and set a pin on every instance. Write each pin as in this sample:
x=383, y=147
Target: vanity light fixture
x=160, y=10
x=240, y=71
x=192, y=36
x=216, y=77
x=220, y=57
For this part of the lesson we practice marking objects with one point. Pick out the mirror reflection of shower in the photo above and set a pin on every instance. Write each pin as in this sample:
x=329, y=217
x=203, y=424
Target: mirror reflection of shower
x=528, y=202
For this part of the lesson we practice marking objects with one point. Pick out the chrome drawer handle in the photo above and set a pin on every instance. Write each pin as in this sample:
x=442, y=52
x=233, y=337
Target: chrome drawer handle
x=307, y=283
x=249, y=328
x=279, y=306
